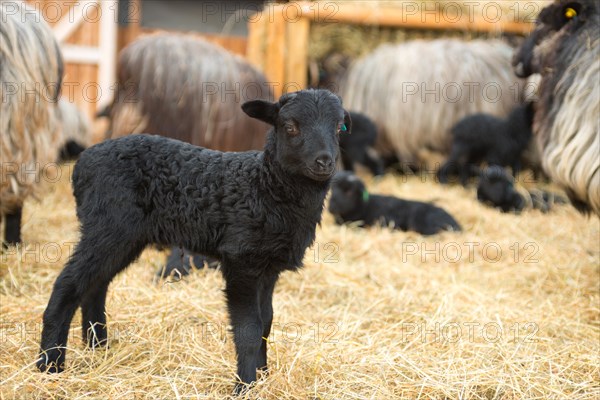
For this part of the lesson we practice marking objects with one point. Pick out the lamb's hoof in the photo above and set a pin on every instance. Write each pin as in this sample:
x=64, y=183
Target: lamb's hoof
x=51, y=361
x=97, y=344
x=241, y=388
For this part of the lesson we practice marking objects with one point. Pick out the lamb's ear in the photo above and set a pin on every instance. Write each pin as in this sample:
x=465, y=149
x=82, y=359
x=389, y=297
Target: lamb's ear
x=347, y=122
x=262, y=110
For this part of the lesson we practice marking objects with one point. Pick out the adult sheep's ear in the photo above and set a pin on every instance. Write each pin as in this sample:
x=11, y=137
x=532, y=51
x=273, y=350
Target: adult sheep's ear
x=262, y=110
x=347, y=122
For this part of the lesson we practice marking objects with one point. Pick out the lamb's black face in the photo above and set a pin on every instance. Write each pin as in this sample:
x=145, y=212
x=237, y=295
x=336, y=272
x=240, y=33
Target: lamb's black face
x=561, y=17
x=307, y=125
x=347, y=193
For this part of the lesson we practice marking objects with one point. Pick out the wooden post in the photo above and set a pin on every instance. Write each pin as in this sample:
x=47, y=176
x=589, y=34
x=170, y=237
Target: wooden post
x=108, y=51
x=275, y=57
x=257, y=30
x=297, y=55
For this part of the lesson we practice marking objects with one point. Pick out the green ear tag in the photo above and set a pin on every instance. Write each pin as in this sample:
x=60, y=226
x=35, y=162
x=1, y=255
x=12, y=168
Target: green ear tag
x=344, y=129
x=365, y=196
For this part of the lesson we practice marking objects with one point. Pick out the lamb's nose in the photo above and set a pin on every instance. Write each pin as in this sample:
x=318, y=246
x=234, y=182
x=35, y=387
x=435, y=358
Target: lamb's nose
x=324, y=162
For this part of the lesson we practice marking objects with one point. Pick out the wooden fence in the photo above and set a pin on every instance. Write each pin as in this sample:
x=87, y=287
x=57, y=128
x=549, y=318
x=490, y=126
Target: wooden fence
x=278, y=37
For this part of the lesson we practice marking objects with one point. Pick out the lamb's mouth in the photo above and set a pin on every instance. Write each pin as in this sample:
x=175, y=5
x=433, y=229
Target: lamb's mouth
x=320, y=176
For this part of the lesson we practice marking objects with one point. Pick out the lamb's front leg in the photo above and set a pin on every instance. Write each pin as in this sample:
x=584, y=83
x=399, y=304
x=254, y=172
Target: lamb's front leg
x=266, y=313
x=242, y=294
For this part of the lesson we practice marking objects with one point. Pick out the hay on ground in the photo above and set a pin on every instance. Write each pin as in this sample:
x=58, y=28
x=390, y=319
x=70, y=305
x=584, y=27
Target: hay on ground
x=374, y=314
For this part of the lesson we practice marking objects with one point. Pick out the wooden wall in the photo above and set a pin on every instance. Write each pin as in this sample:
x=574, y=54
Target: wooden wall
x=79, y=79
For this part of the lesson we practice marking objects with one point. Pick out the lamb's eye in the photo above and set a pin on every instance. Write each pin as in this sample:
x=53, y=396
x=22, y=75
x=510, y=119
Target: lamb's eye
x=291, y=129
x=570, y=13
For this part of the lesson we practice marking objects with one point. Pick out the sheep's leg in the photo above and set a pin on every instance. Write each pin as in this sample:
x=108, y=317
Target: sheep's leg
x=12, y=232
x=178, y=259
x=516, y=168
x=94, y=317
x=85, y=276
x=347, y=161
x=465, y=173
x=57, y=317
x=266, y=313
x=373, y=162
x=200, y=259
x=93, y=305
x=242, y=294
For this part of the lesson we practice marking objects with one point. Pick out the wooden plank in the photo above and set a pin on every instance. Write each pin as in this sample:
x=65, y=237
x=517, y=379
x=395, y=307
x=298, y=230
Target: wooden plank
x=257, y=30
x=331, y=12
x=71, y=20
x=297, y=55
x=274, y=68
x=78, y=54
x=108, y=49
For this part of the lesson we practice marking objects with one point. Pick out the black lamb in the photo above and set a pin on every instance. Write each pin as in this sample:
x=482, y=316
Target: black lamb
x=256, y=212
x=350, y=201
x=358, y=147
x=496, y=188
x=485, y=138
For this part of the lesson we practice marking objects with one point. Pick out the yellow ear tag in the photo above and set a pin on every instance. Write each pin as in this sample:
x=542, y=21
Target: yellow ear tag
x=570, y=13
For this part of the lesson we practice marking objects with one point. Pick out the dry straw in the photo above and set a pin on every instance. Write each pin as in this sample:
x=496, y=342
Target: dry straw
x=374, y=314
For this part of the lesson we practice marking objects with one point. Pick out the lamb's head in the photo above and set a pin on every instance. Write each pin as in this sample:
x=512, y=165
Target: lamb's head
x=558, y=21
x=497, y=188
x=348, y=194
x=307, y=125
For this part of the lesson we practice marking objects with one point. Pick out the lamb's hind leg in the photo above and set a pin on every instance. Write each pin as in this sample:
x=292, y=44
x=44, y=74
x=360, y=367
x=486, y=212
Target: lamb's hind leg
x=85, y=277
x=93, y=302
x=93, y=317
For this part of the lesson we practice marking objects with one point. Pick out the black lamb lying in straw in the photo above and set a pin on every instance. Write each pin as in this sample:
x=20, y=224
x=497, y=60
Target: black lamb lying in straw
x=255, y=211
x=485, y=138
x=350, y=201
x=358, y=147
x=497, y=189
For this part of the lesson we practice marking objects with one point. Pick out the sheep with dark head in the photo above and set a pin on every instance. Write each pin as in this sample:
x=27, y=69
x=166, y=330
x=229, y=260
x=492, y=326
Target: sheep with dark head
x=31, y=70
x=485, y=138
x=75, y=130
x=565, y=49
x=358, y=147
x=351, y=202
x=255, y=211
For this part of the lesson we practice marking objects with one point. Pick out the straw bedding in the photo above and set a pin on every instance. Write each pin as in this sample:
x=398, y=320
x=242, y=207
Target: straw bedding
x=365, y=319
